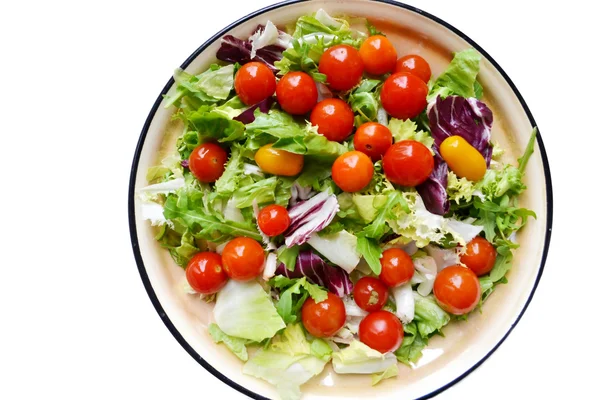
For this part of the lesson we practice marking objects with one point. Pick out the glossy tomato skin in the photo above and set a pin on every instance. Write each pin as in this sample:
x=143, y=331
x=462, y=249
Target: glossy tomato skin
x=324, y=319
x=273, y=220
x=373, y=139
x=297, y=93
x=397, y=267
x=334, y=118
x=378, y=55
x=457, y=290
x=254, y=82
x=343, y=67
x=370, y=294
x=205, y=273
x=415, y=65
x=279, y=162
x=207, y=162
x=352, y=171
x=381, y=331
x=480, y=256
x=243, y=259
x=408, y=163
x=463, y=159
x=404, y=95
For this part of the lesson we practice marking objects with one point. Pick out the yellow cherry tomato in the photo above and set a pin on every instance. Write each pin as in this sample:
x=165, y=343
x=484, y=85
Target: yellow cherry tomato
x=278, y=162
x=463, y=159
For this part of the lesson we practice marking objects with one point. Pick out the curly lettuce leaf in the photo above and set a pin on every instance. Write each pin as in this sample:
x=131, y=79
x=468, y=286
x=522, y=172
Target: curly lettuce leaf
x=460, y=78
x=408, y=130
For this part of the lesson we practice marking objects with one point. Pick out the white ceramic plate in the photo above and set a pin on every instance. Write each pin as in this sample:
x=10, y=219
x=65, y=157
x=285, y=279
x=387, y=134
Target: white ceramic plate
x=466, y=344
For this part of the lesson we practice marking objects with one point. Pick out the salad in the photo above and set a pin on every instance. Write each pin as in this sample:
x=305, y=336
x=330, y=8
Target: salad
x=333, y=199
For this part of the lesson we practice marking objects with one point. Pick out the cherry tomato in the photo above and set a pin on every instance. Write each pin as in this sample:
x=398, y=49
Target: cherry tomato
x=463, y=159
x=279, y=162
x=254, y=82
x=373, y=139
x=404, y=95
x=408, y=163
x=370, y=294
x=343, y=67
x=273, y=220
x=243, y=259
x=207, y=162
x=480, y=256
x=324, y=319
x=352, y=171
x=378, y=55
x=381, y=331
x=334, y=118
x=205, y=274
x=297, y=93
x=415, y=65
x=397, y=267
x=457, y=289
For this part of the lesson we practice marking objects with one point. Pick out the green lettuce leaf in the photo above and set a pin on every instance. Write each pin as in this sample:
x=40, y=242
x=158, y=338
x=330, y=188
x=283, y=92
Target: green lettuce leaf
x=378, y=228
x=208, y=87
x=358, y=358
x=285, y=133
x=304, y=57
x=245, y=310
x=371, y=251
x=390, y=372
x=412, y=346
x=227, y=183
x=271, y=190
x=286, y=363
x=236, y=345
x=429, y=317
x=288, y=256
x=459, y=78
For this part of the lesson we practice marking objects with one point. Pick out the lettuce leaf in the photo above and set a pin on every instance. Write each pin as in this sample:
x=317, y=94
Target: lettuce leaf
x=358, y=358
x=412, y=346
x=245, y=310
x=429, y=317
x=236, y=345
x=459, y=78
x=390, y=372
x=294, y=293
x=208, y=87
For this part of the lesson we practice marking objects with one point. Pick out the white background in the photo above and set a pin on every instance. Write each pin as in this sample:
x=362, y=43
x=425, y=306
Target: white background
x=78, y=79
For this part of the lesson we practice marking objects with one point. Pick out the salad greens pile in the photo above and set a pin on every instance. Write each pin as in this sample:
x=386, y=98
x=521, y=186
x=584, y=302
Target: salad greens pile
x=335, y=237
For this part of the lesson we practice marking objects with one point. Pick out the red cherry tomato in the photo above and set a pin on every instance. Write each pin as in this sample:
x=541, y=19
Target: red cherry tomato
x=207, y=162
x=334, y=118
x=297, y=93
x=243, y=259
x=205, y=274
x=373, y=139
x=397, y=267
x=370, y=294
x=273, y=220
x=415, y=65
x=343, y=67
x=352, y=171
x=404, y=95
x=480, y=256
x=378, y=55
x=324, y=319
x=457, y=290
x=381, y=331
x=408, y=163
x=254, y=82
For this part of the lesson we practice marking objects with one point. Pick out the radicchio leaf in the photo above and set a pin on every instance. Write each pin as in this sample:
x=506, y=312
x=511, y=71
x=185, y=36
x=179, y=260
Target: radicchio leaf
x=247, y=116
x=310, y=216
x=237, y=50
x=317, y=271
x=433, y=190
x=469, y=118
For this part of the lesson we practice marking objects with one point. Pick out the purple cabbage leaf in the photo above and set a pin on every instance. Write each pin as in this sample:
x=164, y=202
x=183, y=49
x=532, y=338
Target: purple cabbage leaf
x=310, y=216
x=317, y=271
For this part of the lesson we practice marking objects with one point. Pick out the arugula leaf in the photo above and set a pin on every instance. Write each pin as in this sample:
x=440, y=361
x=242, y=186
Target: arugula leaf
x=294, y=293
x=288, y=256
x=371, y=251
x=204, y=225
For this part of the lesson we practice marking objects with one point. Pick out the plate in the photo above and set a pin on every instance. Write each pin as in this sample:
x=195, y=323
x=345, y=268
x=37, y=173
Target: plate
x=466, y=344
